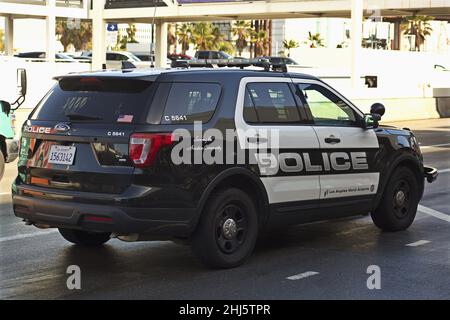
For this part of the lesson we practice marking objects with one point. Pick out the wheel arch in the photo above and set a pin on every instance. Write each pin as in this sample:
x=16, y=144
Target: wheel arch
x=240, y=178
x=406, y=160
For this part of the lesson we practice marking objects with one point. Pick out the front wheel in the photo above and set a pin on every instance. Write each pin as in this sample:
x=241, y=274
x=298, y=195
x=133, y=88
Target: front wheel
x=227, y=231
x=398, y=207
x=84, y=238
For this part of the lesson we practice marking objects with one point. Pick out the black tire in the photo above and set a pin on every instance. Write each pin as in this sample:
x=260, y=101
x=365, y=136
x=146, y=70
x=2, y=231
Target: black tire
x=2, y=164
x=398, y=206
x=226, y=234
x=84, y=238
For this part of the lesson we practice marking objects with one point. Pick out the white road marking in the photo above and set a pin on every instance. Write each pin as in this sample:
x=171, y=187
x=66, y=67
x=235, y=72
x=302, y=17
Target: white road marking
x=303, y=275
x=435, y=146
x=417, y=243
x=27, y=235
x=434, y=213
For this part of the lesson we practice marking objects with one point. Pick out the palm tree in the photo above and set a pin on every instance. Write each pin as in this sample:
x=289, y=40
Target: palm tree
x=315, y=40
x=418, y=26
x=290, y=44
x=261, y=43
x=80, y=37
x=171, y=36
x=184, y=36
x=218, y=38
x=242, y=30
x=202, y=36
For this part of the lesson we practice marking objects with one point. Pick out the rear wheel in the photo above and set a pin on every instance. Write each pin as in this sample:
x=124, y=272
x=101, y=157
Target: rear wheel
x=2, y=164
x=398, y=206
x=84, y=238
x=227, y=231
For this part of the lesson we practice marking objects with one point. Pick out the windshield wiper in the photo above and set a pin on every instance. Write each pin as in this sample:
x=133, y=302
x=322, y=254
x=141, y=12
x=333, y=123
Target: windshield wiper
x=75, y=116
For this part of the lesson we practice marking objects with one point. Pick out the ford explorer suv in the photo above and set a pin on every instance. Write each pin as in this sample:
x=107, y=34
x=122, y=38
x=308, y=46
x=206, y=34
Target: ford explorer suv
x=210, y=157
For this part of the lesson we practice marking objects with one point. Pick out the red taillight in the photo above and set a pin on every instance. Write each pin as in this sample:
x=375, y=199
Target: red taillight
x=144, y=147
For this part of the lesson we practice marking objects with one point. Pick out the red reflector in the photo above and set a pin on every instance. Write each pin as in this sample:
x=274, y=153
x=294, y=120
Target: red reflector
x=91, y=81
x=97, y=218
x=144, y=147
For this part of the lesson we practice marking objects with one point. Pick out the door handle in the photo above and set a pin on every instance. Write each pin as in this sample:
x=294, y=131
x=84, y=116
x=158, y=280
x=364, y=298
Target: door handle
x=332, y=140
x=256, y=139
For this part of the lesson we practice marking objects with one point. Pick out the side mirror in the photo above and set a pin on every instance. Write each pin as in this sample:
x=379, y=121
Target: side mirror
x=371, y=121
x=5, y=107
x=22, y=82
x=378, y=108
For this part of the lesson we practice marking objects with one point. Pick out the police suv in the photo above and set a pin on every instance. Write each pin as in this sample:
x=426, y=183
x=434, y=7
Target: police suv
x=212, y=157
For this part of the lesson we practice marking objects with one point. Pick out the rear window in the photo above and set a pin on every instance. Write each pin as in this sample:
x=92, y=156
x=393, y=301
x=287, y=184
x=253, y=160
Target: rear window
x=189, y=102
x=96, y=99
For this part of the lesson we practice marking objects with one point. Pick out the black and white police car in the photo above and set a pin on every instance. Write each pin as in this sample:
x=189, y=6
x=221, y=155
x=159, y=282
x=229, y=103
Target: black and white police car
x=213, y=157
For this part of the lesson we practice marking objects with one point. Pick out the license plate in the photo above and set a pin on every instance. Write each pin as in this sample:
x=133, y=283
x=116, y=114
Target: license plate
x=62, y=155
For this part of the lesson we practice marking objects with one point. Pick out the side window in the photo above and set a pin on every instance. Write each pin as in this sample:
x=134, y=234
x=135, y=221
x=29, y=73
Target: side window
x=189, y=102
x=250, y=115
x=326, y=107
x=274, y=102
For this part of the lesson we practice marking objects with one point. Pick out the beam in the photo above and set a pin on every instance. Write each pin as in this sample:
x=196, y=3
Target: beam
x=161, y=45
x=98, y=36
x=9, y=36
x=356, y=41
x=50, y=22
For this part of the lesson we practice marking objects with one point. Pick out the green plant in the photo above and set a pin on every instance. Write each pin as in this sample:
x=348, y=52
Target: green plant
x=2, y=41
x=184, y=36
x=172, y=37
x=202, y=36
x=243, y=31
x=261, y=43
x=418, y=26
x=290, y=44
x=78, y=35
x=315, y=40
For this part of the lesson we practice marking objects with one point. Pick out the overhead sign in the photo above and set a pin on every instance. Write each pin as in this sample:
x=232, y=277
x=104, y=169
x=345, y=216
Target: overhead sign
x=112, y=33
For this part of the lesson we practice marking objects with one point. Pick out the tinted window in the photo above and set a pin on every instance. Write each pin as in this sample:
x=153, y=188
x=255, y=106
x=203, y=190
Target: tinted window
x=250, y=115
x=326, y=107
x=274, y=102
x=203, y=55
x=95, y=99
x=189, y=102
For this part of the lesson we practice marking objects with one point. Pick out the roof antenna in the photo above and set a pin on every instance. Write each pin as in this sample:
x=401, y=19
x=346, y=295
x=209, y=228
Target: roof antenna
x=152, y=48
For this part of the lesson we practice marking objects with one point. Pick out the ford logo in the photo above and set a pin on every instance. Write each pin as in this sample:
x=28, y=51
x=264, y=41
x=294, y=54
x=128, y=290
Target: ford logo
x=62, y=127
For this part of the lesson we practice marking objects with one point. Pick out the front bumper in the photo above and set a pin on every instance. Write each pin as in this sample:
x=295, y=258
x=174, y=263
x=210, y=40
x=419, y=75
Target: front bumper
x=156, y=223
x=430, y=174
x=12, y=150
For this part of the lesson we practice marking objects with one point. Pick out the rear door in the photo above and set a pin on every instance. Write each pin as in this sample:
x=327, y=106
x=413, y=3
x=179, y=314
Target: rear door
x=269, y=122
x=77, y=137
x=347, y=150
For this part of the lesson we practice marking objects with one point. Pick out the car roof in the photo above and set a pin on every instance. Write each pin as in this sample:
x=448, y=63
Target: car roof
x=192, y=74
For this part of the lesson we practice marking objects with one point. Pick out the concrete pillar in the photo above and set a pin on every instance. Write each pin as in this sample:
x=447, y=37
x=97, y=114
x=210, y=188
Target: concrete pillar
x=98, y=35
x=9, y=36
x=51, y=30
x=161, y=45
x=356, y=41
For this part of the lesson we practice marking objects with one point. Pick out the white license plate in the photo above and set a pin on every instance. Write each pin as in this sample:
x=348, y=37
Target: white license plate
x=62, y=155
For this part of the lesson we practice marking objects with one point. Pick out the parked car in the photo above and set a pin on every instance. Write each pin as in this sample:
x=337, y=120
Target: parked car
x=179, y=56
x=115, y=58
x=60, y=57
x=280, y=60
x=124, y=162
x=208, y=54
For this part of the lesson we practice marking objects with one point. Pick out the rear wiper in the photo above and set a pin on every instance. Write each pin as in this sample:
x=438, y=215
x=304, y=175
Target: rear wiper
x=75, y=116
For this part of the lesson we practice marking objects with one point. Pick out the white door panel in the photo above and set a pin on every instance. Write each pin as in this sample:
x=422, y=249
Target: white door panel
x=292, y=188
x=348, y=185
x=351, y=137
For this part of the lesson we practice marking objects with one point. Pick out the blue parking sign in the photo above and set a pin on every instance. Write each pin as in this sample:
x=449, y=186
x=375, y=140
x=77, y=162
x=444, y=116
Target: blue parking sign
x=112, y=27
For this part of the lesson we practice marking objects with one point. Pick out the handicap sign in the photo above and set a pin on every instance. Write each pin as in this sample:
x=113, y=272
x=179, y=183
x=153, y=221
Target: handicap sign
x=112, y=27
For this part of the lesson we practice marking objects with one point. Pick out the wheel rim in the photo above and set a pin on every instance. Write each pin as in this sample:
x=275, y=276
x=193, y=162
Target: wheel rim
x=402, y=199
x=231, y=227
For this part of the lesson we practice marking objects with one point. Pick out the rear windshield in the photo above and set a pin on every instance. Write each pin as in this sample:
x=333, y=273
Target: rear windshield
x=96, y=99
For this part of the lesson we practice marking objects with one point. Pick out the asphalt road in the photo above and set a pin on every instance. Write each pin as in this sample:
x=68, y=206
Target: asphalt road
x=328, y=260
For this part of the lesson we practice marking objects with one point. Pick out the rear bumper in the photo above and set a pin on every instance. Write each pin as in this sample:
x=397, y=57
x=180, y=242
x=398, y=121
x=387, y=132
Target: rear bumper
x=430, y=174
x=156, y=223
x=12, y=150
